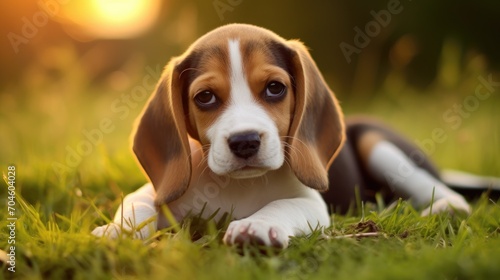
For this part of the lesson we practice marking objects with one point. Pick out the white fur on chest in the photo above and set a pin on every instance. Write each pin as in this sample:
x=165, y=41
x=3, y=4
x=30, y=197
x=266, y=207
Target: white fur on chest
x=241, y=197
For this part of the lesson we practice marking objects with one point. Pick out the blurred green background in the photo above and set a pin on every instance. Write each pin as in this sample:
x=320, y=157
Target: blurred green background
x=75, y=75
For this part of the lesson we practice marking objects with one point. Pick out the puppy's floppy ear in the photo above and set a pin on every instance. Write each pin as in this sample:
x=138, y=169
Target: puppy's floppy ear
x=161, y=143
x=317, y=129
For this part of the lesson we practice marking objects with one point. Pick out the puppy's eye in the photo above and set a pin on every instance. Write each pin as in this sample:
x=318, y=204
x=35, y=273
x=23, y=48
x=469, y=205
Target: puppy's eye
x=206, y=99
x=275, y=91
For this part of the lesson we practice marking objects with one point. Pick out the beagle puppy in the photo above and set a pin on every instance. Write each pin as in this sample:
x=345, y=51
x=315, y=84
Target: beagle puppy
x=244, y=123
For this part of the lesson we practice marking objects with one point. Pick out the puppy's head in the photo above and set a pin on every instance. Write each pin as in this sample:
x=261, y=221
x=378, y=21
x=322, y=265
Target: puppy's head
x=252, y=99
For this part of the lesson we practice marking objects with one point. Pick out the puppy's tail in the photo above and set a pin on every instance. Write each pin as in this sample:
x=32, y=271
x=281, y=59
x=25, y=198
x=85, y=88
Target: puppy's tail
x=471, y=185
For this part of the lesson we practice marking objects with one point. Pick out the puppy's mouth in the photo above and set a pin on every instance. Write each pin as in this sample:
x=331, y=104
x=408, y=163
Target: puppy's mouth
x=247, y=172
x=224, y=164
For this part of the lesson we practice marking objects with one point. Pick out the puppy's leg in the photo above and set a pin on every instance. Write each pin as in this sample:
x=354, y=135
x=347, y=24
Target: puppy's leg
x=137, y=208
x=386, y=163
x=277, y=221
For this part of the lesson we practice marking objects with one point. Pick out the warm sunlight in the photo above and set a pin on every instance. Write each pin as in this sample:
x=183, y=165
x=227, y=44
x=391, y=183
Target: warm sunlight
x=112, y=18
x=120, y=11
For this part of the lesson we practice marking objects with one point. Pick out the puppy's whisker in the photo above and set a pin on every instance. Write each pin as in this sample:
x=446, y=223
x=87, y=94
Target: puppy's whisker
x=292, y=149
x=298, y=152
x=288, y=149
x=204, y=158
x=297, y=139
x=204, y=169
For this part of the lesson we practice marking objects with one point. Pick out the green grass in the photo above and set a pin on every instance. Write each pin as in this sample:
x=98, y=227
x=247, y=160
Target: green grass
x=408, y=246
x=56, y=211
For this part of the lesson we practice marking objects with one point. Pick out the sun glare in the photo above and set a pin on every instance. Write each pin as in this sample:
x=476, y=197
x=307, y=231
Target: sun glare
x=119, y=11
x=114, y=18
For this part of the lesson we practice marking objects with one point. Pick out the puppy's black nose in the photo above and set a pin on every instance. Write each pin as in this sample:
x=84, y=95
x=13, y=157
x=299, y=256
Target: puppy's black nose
x=244, y=145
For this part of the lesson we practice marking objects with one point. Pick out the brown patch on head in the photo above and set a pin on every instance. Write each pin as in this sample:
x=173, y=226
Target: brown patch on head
x=261, y=68
x=209, y=72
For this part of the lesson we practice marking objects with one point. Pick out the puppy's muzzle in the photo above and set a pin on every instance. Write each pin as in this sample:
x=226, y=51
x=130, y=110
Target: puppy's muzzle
x=244, y=145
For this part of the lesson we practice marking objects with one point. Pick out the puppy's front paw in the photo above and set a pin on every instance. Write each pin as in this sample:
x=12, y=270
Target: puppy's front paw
x=450, y=204
x=111, y=230
x=256, y=232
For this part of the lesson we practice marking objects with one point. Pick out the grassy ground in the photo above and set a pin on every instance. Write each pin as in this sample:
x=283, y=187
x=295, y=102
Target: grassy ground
x=61, y=197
